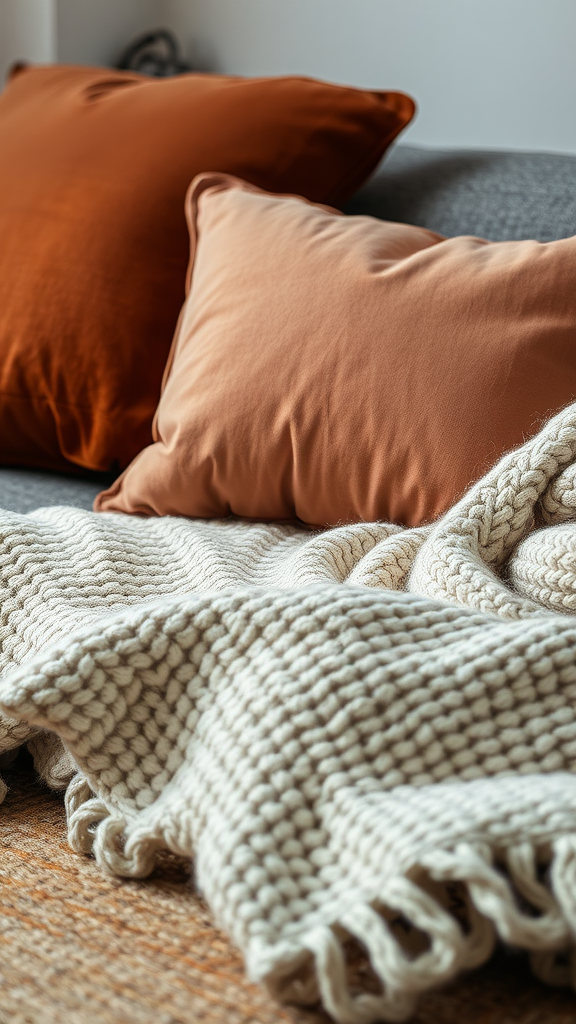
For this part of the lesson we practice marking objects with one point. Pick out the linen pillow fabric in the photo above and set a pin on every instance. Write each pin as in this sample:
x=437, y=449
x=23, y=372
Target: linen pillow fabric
x=337, y=369
x=94, y=167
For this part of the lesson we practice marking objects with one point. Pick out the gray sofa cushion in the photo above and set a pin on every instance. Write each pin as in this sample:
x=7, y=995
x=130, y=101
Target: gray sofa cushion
x=495, y=195
x=22, y=490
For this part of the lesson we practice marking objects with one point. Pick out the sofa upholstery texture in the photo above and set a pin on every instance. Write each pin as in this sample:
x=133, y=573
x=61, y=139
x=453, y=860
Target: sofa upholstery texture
x=501, y=195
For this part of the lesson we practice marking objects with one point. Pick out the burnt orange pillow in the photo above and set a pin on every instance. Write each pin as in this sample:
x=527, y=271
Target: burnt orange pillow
x=94, y=167
x=337, y=369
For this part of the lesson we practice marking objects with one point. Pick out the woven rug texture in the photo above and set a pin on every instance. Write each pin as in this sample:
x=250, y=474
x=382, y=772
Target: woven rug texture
x=361, y=736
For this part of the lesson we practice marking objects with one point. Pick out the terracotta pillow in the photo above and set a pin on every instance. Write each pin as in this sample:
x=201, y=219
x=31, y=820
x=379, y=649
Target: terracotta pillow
x=337, y=369
x=94, y=167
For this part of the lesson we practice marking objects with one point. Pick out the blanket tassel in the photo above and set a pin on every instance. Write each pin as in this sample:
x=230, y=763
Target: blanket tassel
x=94, y=829
x=505, y=899
x=525, y=896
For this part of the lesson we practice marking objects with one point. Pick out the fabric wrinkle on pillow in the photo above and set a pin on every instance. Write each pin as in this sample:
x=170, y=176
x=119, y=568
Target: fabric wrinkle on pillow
x=94, y=168
x=336, y=369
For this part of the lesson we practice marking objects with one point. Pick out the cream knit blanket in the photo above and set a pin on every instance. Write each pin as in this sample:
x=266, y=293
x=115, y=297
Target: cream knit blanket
x=365, y=736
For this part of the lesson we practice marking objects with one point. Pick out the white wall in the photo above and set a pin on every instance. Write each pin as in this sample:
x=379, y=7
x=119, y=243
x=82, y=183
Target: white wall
x=72, y=31
x=487, y=73
x=96, y=31
x=27, y=32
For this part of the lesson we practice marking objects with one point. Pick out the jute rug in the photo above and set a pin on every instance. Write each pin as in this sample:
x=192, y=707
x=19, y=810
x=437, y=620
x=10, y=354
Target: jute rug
x=364, y=738
x=85, y=947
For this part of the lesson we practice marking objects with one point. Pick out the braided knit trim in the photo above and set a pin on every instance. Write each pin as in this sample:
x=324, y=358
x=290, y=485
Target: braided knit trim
x=480, y=533
x=559, y=499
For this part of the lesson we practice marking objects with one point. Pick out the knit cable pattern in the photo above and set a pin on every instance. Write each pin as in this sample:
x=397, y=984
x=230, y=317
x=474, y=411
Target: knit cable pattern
x=366, y=735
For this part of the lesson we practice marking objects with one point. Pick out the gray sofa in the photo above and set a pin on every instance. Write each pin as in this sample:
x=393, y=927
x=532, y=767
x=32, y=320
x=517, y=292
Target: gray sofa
x=496, y=195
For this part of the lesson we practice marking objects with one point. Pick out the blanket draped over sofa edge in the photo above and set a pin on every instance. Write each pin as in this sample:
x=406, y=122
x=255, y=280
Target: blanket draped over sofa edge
x=363, y=734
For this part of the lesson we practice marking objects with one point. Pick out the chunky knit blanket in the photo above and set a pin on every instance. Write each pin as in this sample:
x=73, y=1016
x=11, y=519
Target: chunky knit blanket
x=366, y=738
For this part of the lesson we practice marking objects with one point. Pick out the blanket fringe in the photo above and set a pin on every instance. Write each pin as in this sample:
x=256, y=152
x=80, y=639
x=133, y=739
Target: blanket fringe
x=94, y=829
x=503, y=896
x=453, y=906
